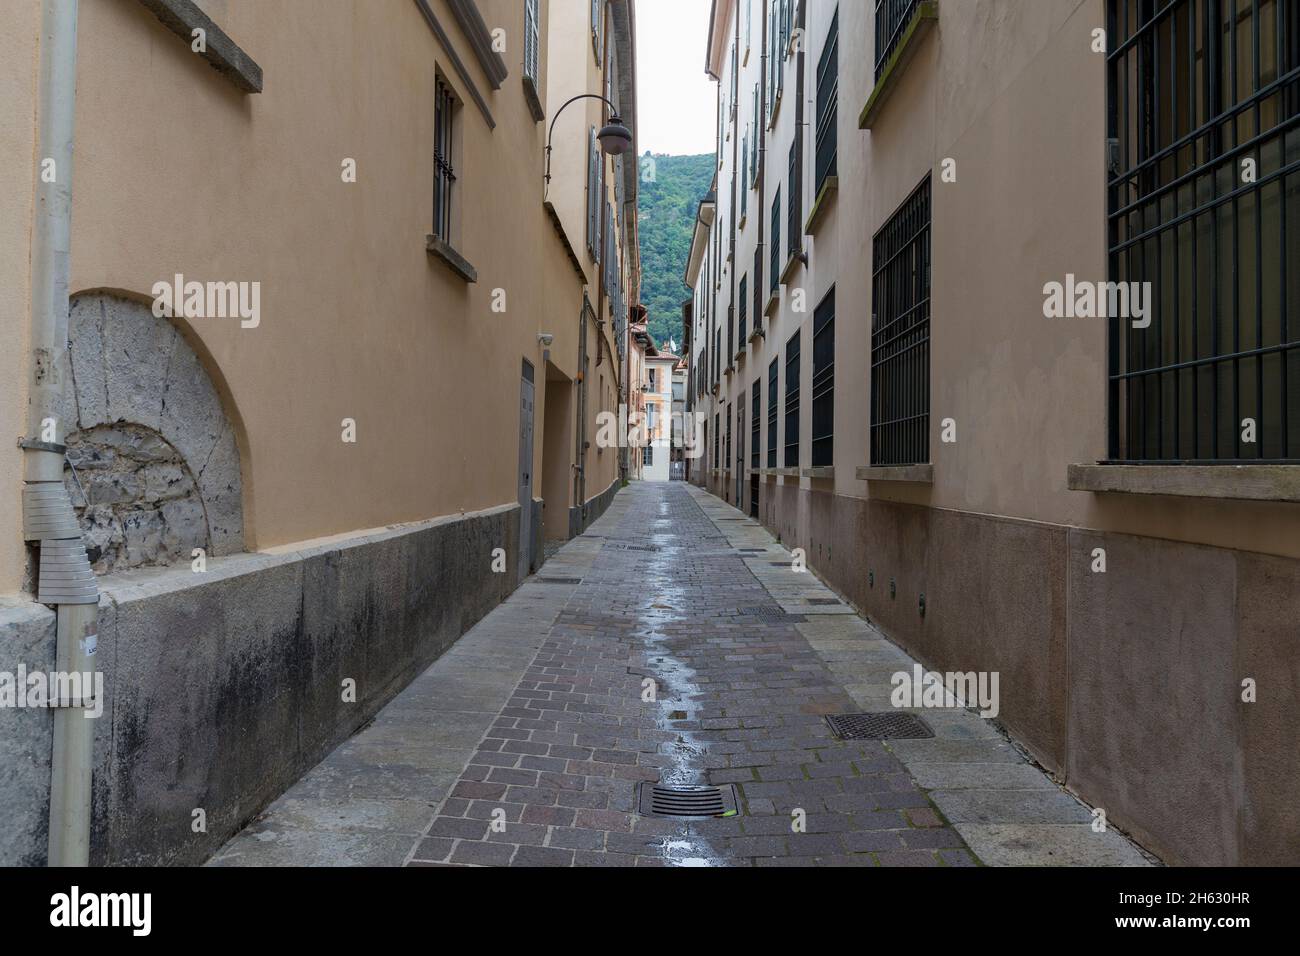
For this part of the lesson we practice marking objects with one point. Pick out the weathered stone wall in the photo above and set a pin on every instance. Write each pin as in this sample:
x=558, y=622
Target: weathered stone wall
x=157, y=468
x=223, y=688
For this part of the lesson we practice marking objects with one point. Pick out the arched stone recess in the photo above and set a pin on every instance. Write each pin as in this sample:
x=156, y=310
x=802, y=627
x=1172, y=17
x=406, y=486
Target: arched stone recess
x=156, y=456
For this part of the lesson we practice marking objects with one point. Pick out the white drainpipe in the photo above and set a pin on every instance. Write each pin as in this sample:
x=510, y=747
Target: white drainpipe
x=65, y=579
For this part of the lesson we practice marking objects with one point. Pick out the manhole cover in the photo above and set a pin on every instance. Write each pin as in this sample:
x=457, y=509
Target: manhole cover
x=889, y=725
x=658, y=800
x=558, y=580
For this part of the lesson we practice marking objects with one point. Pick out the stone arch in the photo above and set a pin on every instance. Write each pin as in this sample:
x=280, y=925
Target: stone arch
x=156, y=453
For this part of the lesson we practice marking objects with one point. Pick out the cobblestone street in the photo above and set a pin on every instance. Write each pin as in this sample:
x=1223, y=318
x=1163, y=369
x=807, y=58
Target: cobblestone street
x=538, y=718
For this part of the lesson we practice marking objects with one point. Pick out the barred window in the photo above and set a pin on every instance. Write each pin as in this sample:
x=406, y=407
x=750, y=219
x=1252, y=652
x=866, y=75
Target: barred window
x=823, y=383
x=1204, y=206
x=726, y=461
x=900, y=335
x=742, y=298
x=794, y=225
x=828, y=95
x=444, y=176
x=776, y=240
x=531, y=40
x=893, y=17
x=756, y=426
x=771, y=412
x=648, y=455
x=758, y=286
x=792, y=401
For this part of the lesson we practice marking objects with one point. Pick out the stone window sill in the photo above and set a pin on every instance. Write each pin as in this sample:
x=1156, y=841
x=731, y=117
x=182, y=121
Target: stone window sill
x=918, y=474
x=825, y=199
x=820, y=471
x=533, y=97
x=1240, y=482
x=796, y=259
x=756, y=335
x=786, y=472
x=926, y=16
x=457, y=263
x=183, y=17
x=772, y=301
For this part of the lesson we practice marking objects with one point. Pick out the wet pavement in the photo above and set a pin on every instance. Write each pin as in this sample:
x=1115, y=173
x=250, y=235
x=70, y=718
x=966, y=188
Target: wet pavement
x=672, y=643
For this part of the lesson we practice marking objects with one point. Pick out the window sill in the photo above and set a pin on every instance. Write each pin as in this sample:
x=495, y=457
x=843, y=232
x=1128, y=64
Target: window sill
x=1241, y=482
x=825, y=199
x=457, y=263
x=183, y=17
x=756, y=335
x=796, y=259
x=820, y=471
x=786, y=472
x=533, y=97
x=917, y=474
x=772, y=301
x=740, y=355
x=926, y=16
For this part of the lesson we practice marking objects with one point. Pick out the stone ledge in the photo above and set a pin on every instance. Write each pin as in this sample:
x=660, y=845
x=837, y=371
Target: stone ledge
x=786, y=472
x=772, y=301
x=454, y=260
x=796, y=259
x=1241, y=482
x=919, y=474
x=923, y=20
x=757, y=334
x=183, y=17
x=819, y=471
x=821, y=206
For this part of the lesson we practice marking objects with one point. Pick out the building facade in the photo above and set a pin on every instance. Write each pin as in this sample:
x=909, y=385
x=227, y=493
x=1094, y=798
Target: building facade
x=325, y=346
x=995, y=316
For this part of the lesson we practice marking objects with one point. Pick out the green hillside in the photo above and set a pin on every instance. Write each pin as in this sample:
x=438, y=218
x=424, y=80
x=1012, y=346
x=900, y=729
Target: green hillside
x=667, y=218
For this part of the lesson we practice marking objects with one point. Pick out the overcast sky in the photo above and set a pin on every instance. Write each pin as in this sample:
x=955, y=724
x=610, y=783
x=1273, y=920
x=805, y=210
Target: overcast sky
x=675, y=96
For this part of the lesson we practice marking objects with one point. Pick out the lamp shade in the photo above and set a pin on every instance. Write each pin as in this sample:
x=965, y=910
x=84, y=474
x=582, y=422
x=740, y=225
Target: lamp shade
x=615, y=138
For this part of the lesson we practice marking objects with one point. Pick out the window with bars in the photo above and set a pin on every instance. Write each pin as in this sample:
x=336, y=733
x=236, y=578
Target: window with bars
x=900, y=335
x=648, y=455
x=742, y=298
x=758, y=286
x=1199, y=91
x=823, y=383
x=726, y=461
x=532, y=42
x=794, y=202
x=753, y=143
x=744, y=176
x=776, y=241
x=828, y=86
x=717, y=431
x=756, y=426
x=792, y=401
x=444, y=176
x=893, y=17
x=772, y=371
x=598, y=27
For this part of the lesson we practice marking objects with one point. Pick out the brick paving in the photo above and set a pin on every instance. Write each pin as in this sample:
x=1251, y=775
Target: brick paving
x=740, y=697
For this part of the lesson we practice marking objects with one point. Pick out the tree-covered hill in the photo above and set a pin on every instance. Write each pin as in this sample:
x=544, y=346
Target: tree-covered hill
x=668, y=206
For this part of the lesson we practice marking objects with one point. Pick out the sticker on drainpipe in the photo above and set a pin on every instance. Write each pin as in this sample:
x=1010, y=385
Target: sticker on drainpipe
x=88, y=644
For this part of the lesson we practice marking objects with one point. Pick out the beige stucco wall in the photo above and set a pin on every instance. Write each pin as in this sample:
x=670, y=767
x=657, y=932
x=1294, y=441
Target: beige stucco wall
x=1022, y=112
x=179, y=172
x=19, y=163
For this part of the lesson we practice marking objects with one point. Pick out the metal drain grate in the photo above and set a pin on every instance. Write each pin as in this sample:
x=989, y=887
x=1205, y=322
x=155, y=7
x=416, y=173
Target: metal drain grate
x=826, y=601
x=889, y=725
x=634, y=547
x=658, y=800
x=558, y=580
x=751, y=550
x=770, y=614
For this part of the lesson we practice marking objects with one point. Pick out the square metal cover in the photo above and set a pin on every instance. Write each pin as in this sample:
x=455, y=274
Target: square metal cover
x=886, y=725
x=659, y=800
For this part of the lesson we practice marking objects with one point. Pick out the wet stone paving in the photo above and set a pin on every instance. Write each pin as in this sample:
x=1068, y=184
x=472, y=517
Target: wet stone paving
x=738, y=697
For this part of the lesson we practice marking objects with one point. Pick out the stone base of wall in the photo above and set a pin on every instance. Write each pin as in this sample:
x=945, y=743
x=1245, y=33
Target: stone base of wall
x=1127, y=683
x=225, y=687
x=581, y=518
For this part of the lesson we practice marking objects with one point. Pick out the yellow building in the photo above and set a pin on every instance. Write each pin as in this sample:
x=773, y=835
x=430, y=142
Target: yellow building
x=335, y=349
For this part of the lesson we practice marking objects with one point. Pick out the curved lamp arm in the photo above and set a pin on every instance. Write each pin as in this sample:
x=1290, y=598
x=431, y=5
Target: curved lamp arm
x=551, y=132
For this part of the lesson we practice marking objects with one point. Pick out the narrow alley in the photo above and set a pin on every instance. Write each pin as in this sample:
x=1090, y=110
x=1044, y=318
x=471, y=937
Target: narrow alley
x=537, y=718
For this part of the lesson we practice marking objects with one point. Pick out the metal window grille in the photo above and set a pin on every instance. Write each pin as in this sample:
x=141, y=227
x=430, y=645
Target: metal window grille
x=758, y=287
x=444, y=176
x=900, y=335
x=823, y=382
x=792, y=401
x=892, y=20
x=531, y=40
x=744, y=176
x=828, y=87
x=726, y=461
x=794, y=202
x=756, y=426
x=742, y=297
x=648, y=455
x=717, y=432
x=1198, y=91
x=772, y=370
x=776, y=240
x=740, y=433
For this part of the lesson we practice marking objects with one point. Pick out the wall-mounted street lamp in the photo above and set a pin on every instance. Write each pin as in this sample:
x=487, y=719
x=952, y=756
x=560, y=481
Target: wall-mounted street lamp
x=615, y=138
